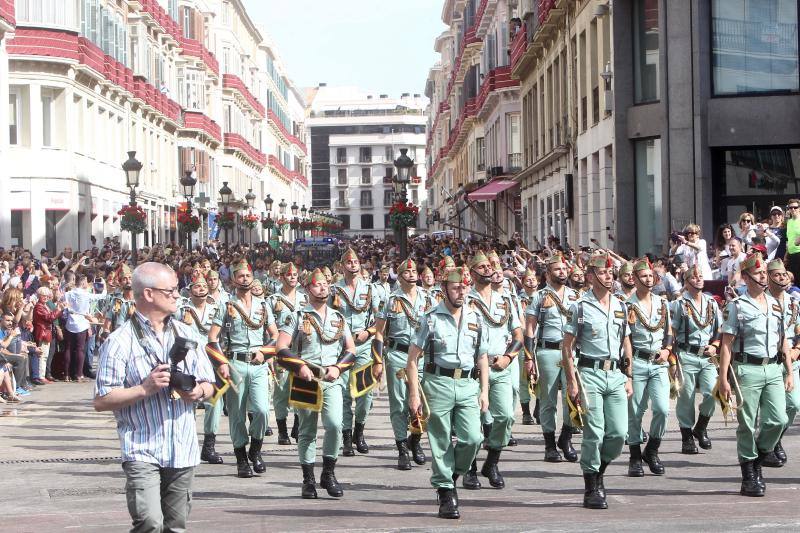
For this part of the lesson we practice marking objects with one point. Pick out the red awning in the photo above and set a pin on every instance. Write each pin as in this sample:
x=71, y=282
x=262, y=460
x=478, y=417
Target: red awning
x=490, y=191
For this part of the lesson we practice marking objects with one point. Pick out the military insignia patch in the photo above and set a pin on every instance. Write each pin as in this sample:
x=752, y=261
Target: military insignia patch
x=619, y=314
x=572, y=297
x=472, y=326
x=776, y=307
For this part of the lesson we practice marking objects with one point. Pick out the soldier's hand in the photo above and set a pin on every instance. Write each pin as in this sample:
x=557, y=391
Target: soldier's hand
x=629, y=387
x=483, y=401
x=257, y=359
x=529, y=367
x=377, y=371
x=724, y=388
x=157, y=379
x=500, y=362
x=414, y=405
x=711, y=350
x=572, y=389
x=663, y=355
x=789, y=382
x=225, y=371
x=305, y=373
x=362, y=337
x=332, y=373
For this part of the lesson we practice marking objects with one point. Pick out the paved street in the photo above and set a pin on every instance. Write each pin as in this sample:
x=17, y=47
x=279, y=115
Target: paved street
x=60, y=471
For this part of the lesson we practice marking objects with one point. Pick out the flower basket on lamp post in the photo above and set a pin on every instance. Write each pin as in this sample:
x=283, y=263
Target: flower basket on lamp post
x=188, y=223
x=133, y=219
x=403, y=216
x=226, y=220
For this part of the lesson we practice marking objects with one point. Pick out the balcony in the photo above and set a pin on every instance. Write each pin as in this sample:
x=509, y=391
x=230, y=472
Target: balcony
x=366, y=203
x=342, y=204
x=237, y=144
x=234, y=83
x=7, y=15
x=278, y=169
x=460, y=66
x=281, y=130
x=156, y=16
x=537, y=30
x=198, y=122
x=514, y=163
x=497, y=80
x=194, y=48
x=299, y=178
x=341, y=182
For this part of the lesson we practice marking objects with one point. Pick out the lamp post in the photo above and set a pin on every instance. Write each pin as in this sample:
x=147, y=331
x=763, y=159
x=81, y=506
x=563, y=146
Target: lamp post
x=303, y=213
x=268, y=204
x=282, y=213
x=132, y=167
x=225, y=194
x=250, y=198
x=403, y=165
x=187, y=187
x=296, y=220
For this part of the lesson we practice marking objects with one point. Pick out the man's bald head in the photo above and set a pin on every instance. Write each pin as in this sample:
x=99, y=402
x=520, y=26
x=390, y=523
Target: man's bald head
x=149, y=275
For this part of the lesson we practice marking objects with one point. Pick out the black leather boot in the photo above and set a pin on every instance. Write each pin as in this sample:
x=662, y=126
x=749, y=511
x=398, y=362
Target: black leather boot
x=769, y=459
x=565, y=443
x=471, y=481
x=347, y=443
x=328, y=478
x=601, y=487
x=254, y=454
x=268, y=432
x=487, y=430
x=358, y=439
x=780, y=453
x=758, y=472
x=750, y=486
x=448, y=506
x=309, y=491
x=551, y=454
x=415, y=445
x=295, y=428
x=283, y=434
x=592, y=499
x=527, y=419
x=491, y=471
x=536, y=412
x=688, y=446
x=512, y=441
x=208, y=453
x=635, y=465
x=651, y=456
x=242, y=465
x=700, y=432
x=403, y=461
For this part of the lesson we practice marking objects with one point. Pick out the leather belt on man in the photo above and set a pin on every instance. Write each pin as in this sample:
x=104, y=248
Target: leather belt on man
x=692, y=349
x=598, y=364
x=754, y=360
x=400, y=347
x=245, y=357
x=647, y=356
x=548, y=345
x=455, y=373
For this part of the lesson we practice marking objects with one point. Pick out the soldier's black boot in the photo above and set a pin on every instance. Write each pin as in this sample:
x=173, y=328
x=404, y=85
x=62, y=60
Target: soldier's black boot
x=635, y=465
x=757, y=470
x=780, y=453
x=651, y=456
x=769, y=459
x=551, y=454
x=491, y=471
x=295, y=428
x=268, y=432
x=347, y=443
x=688, y=446
x=283, y=434
x=448, y=506
x=487, y=430
x=592, y=499
x=208, y=453
x=309, y=491
x=527, y=419
x=601, y=487
x=565, y=443
x=415, y=446
x=750, y=486
x=512, y=441
x=242, y=466
x=471, y=481
x=254, y=454
x=328, y=478
x=403, y=461
x=700, y=432
x=358, y=439
x=536, y=412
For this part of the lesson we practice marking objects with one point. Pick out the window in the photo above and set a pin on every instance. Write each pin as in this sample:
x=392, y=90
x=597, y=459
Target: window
x=342, y=201
x=366, y=176
x=345, y=221
x=514, y=141
x=388, y=174
x=645, y=51
x=366, y=198
x=389, y=155
x=388, y=197
x=341, y=155
x=13, y=118
x=754, y=46
x=342, y=176
x=649, y=229
x=47, y=118
x=366, y=222
x=365, y=154
x=480, y=154
x=414, y=196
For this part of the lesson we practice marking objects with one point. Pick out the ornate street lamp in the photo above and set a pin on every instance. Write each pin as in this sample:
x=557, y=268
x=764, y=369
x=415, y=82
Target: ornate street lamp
x=268, y=204
x=187, y=187
x=403, y=164
x=132, y=167
x=225, y=195
x=282, y=213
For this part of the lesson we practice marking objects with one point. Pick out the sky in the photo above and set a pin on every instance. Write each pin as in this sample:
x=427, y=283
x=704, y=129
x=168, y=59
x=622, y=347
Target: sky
x=380, y=46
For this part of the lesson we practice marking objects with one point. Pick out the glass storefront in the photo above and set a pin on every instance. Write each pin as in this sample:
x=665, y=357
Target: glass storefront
x=650, y=234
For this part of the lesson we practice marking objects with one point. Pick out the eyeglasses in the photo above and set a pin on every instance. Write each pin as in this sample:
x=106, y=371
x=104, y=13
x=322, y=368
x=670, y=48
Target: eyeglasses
x=748, y=220
x=792, y=207
x=174, y=292
x=691, y=233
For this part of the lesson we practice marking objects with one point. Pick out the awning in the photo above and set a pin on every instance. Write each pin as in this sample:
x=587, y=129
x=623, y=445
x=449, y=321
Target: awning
x=491, y=190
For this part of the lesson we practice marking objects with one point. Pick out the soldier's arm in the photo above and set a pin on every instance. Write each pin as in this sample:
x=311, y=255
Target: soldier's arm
x=725, y=360
x=483, y=369
x=412, y=368
x=567, y=345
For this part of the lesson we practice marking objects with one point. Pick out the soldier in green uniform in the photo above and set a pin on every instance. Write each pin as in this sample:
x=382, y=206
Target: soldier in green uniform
x=627, y=283
x=318, y=334
x=355, y=299
x=198, y=312
x=547, y=315
x=504, y=342
x=528, y=290
x=577, y=279
x=247, y=327
x=289, y=299
x=651, y=339
x=395, y=329
x=433, y=293
x=453, y=341
x=753, y=337
x=598, y=381
x=382, y=288
x=695, y=323
x=272, y=283
x=119, y=306
x=215, y=289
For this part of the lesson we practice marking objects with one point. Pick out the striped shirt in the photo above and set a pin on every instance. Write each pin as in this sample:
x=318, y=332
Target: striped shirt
x=157, y=429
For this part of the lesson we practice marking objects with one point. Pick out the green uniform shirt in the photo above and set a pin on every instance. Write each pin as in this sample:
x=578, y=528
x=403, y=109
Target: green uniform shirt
x=238, y=336
x=687, y=329
x=551, y=318
x=454, y=345
x=363, y=297
x=602, y=331
x=641, y=337
x=499, y=319
x=403, y=316
x=281, y=305
x=118, y=310
x=307, y=343
x=758, y=332
x=199, y=322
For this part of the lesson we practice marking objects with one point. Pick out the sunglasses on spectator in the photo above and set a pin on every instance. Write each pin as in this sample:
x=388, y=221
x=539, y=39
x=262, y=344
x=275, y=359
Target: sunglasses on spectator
x=792, y=207
x=748, y=220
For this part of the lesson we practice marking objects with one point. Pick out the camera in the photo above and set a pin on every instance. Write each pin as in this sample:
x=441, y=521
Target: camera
x=179, y=380
x=675, y=236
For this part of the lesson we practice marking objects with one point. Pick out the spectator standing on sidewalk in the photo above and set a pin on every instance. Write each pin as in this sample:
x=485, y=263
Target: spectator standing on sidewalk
x=79, y=303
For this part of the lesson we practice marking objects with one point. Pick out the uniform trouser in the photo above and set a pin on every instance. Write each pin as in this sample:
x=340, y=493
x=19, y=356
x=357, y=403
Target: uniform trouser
x=605, y=424
x=764, y=396
x=252, y=396
x=522, y=381
x=501, y=406
x=211, y=417
x=364, y=402
x=550, y=377
x=650, y=382
x=516, y=372
x=454, y=407
x=398, y=393
x=280, y=394
x=159, y=499
x=696, y=371
x=331, y=422
x=793, y=398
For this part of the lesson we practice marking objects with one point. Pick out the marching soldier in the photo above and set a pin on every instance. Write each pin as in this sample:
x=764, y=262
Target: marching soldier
x=526, y=294
x=355, y=299
x=546, y=317
x=599, y=381
x=272, y=283
x=395, y=329
x=215, y=289
x=577, y=279
x=755, y=322
x=245, y=323
x=432, y=291
x=119, y=306
x=453, y=341
x=504, y=342
x=198, y=312
x=317, y=337
x=651, y=340
x=695, y=322
x=627, y=284
x=284, y=302
x=382, y=288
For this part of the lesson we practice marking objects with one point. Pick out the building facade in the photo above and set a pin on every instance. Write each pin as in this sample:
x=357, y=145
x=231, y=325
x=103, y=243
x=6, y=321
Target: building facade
x=355, y=139
x=181, y=82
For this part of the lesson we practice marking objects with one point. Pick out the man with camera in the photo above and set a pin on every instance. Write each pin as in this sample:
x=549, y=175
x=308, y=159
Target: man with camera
x=150, y=374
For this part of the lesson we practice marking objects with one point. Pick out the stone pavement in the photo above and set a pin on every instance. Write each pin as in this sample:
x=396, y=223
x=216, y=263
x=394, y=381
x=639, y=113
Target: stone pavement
x=60, y=471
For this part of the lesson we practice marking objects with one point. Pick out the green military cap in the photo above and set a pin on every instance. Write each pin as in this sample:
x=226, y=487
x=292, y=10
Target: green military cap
x=426, y=271
x=642, y=264
x=600, y=260
x=275, y=264
x=477, y=259
x=447, y=262
x=327, y=271
x=529, y=273
x=240, y=264
x=257, y=285
x=556, y=258
x=287, y=269
x=408, y=264
x=458, y=275
x=384, y=268
x=198, y=279
x=753, y=260
x=315, y=277
x=776, y=265
x=626, y=268
x=349, y=254
x=494, y=259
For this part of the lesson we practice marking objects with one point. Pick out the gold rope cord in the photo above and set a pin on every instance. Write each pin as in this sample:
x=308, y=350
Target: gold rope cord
x=709, y=315
x=408, y=312
x=246, y=318
x=488, y=315
x=356, y=308
x=553, y=296
x=197, y=321
x=318, y=328
x=645, y=322
x=285, y=302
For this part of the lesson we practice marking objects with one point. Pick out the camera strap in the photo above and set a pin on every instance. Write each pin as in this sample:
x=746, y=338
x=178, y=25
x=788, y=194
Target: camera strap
x=145, y=343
